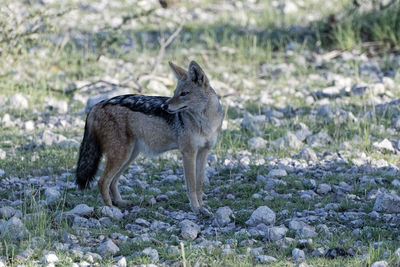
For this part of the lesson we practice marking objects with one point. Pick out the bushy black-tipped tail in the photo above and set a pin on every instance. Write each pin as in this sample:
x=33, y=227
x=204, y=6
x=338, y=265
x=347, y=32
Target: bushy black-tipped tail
x=89, y=159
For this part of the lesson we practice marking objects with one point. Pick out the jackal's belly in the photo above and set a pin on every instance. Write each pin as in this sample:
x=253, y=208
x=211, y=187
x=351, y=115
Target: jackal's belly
x=154, y=149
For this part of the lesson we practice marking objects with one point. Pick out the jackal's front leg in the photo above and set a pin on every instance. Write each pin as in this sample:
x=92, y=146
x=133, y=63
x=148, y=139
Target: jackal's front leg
x=201, y=161
x=189, y=166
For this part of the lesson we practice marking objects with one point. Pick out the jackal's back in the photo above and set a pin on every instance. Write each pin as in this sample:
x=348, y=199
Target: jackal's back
x=148, y=105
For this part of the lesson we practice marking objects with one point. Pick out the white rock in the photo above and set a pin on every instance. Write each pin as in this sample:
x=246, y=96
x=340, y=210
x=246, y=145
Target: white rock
x=253, y=123
x=142, y=222
x=296, y=225
x=263, y=215
x=289, y=7
x=3, y=155
x=223, y=216
x=112, y=212
x=298, y=254
x=378, y=88
x=60, y=106
x=308, y=154
x=303, y=132
x=384, y=145
x=324, y=189
x=18, y=101
x=68, y=143
x=276, y=173
x=397, y=253
x=389, y=83
x=49, y=138
x=81, y=263
x=257, y=143
x=380, y=264
x=14, y=227
x=29, y=126
x=82, y=210
x=79, y=222
x=15, y=224
x=6, y=120
x=396, y=123
x=6, y=212
x=152, y=253
x=52, y=194
x=288, y=141
x=189, y=230
x=2, y=172
x=319, y=139
x=170, y=179
x=50, y=258
x=122, y=262
x=306, y=231
x=263, y=259
x=388, y=203
x=276, y=233
x=108, y=247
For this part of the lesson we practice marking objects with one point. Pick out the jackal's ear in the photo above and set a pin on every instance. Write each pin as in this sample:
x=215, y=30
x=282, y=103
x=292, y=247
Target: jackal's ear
x=178, y=71
x=197, y=75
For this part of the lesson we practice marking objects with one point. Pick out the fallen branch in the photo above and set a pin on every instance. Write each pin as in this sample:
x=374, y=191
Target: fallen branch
x=226, y=95
x=72, y=90
x=128, y=18
x=164, y=45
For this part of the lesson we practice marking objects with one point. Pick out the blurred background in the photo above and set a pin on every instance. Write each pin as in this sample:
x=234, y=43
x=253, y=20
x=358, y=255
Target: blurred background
x=60, y=46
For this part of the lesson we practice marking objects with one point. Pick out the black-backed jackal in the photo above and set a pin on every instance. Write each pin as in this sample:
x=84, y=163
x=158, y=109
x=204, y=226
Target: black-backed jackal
x=122, y=127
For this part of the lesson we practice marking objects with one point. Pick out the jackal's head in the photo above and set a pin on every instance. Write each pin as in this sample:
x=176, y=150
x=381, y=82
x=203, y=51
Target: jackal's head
x=192, y=91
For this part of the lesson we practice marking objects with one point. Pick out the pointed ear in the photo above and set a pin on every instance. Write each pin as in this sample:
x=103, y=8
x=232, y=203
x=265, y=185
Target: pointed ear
x=177, y=71
x=197, y=75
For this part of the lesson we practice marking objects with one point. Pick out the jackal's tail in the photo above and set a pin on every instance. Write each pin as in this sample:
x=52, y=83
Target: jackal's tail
x=89, y=159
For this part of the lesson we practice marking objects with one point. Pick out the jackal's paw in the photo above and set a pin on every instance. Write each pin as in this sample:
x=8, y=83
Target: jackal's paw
x=206, y=211
x=123, y=203
x=196, y=210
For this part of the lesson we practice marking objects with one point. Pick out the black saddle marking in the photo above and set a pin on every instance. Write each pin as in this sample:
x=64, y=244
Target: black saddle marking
x=149, y=105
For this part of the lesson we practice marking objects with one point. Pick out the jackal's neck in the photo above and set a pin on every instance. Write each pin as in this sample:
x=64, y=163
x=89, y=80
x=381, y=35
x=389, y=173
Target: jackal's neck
x=211, y=116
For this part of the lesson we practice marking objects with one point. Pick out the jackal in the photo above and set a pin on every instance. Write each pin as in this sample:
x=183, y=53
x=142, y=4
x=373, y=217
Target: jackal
x=122, y=127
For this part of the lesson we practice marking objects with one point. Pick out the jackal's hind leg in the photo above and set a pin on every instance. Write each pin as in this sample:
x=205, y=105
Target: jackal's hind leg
x=116, y=159
x=104, y=184
x=117, y=199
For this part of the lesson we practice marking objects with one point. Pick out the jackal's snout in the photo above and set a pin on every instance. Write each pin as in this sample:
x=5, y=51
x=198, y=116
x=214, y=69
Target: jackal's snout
x=164, y=106
x=173, y=106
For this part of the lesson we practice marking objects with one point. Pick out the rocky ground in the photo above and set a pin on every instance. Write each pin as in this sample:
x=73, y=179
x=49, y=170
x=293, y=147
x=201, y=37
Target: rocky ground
x=305, y=172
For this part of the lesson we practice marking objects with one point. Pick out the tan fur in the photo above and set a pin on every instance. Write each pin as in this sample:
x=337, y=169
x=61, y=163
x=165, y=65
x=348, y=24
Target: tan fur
x=122, y=134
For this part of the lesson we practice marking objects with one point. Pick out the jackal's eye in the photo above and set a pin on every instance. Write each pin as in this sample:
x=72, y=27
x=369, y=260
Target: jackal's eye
x=184, y=93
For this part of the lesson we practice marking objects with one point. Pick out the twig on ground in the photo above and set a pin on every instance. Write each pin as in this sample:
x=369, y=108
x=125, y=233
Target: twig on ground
x=157, y=242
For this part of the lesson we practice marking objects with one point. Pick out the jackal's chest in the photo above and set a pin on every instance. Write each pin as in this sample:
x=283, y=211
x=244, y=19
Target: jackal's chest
x=201, y=141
